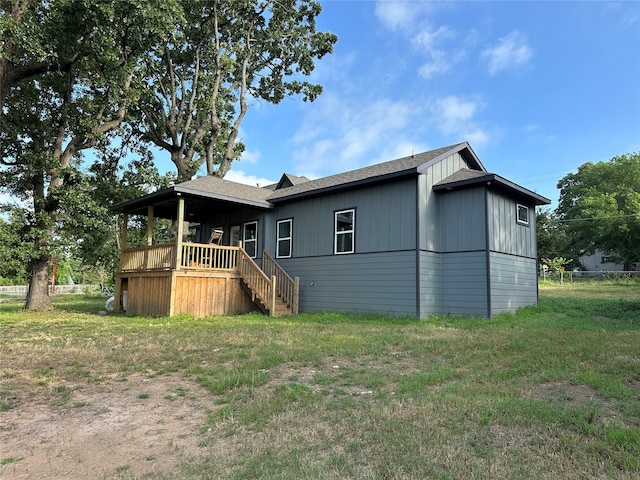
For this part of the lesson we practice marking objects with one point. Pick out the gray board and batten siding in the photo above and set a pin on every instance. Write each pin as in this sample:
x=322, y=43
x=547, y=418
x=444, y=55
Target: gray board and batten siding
x=380, y=275
x=485, y=252
x=452, y=243
x=434, y=233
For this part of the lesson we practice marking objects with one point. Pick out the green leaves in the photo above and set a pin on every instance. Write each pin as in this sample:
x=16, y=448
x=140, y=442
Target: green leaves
x=62, y=92
x=222, y=54
x=600, y=206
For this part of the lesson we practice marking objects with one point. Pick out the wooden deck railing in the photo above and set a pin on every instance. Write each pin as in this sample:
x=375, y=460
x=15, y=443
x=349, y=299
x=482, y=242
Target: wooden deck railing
x=194, y=256
x=209, y=257
x=151, y=257
x=287, y=288
x=266, y=284
x=261, y=286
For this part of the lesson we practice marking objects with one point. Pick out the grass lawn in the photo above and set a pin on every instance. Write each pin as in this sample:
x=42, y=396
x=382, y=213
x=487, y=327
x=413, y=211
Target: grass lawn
x=551, y=392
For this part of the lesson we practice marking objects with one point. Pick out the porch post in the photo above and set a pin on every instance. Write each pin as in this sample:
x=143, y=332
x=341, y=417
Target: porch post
x=123, y=245
x=150, y=225
x=180, y=229
x=123, y=237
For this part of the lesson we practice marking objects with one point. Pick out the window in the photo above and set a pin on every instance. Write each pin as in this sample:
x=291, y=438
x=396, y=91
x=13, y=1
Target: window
x=234, y=234
x=522, y=215
x=283, y=240
x=344, y=231
x=250, y=238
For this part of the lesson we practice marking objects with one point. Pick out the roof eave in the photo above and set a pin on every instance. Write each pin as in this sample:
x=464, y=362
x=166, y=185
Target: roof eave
x=492, y=179
x=225, y=198
x=177, y=191
x=346, y=186
x=148, y=199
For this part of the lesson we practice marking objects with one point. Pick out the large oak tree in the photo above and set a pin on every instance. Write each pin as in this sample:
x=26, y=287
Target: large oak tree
x=226, y=54
x=179, y=73
x=92, y=52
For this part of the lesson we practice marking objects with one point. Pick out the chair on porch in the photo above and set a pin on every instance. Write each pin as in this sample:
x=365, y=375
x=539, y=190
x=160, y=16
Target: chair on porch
x=216, y=237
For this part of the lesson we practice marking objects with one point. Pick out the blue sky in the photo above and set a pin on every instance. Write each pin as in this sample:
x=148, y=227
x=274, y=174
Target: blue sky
x=537, y=88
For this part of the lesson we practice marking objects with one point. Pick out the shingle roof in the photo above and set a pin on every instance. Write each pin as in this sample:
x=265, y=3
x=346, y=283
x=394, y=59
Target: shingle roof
x=209, y=187
x=377, y=172
x=463, y=175
x=214, y=187
x=465, y=178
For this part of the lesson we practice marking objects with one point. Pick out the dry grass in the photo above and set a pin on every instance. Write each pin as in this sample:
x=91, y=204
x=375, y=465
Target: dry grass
x=552, y=392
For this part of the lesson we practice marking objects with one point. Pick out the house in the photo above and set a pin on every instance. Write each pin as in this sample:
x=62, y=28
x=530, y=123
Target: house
x=600, y=262
x=431, y=233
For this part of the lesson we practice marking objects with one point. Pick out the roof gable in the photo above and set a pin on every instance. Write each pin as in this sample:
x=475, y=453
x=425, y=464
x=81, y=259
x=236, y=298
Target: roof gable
x=289, y=180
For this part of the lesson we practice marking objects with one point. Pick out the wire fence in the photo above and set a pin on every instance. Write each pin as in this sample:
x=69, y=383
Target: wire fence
x=21, y=290
x=586, y=276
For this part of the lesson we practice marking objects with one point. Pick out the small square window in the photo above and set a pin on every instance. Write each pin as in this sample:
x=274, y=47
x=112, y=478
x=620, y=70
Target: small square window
x=522, y=215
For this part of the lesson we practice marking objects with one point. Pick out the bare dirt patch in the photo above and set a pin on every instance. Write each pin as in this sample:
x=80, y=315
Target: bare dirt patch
x=566, y=393
x=143, y=425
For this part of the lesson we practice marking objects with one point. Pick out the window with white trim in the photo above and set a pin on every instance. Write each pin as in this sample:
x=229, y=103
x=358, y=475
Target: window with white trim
x=522, y=214
x=284, y=233
x=344, y=231
x=250, y=238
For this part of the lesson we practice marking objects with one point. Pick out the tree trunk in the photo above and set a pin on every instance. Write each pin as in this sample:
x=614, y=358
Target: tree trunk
x=38, y=295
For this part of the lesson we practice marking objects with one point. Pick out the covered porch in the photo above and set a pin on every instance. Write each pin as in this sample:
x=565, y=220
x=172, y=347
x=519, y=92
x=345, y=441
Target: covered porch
x=187, y=277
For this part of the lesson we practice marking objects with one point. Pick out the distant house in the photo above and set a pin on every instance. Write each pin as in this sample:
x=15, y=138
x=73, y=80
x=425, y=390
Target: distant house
x=600, y=262
x=431, y=233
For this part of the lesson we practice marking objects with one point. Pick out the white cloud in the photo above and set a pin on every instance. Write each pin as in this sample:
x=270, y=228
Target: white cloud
x=511, y=52
x=438, y=65
x=406, y=15
x=452, y=112
x=399, y=149
x=396, y=15
x=337, y=135
x=430, y=41
x=413, y=20
x=477, y=137
x=252, y=157
x=455, y=116
x=239, y=176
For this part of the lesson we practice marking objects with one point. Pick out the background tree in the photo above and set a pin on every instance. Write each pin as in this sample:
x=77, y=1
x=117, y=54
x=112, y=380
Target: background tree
x=600, y=208
x=552, y=237
x=14, y=251
x=90, y=230
x=50, y=118
x=225, y=54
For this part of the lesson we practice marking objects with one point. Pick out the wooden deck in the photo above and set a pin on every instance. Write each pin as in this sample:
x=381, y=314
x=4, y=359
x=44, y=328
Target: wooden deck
x=201, y=280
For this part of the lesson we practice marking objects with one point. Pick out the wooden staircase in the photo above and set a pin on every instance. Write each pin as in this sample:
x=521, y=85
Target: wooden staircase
x=273, y=291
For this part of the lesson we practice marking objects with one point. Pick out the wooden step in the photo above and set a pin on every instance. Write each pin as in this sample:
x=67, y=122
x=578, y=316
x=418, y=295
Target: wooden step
x=281, y=308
